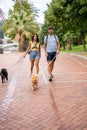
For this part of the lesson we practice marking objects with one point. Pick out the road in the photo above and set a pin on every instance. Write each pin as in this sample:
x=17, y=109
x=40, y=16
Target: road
x=59, y=105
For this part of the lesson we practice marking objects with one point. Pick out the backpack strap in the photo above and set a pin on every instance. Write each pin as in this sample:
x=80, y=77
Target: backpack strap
x=46, y=39
x=54, y=37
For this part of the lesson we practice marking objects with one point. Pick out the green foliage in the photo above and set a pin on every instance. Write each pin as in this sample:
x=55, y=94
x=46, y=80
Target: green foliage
x=21, y=18
x=69, y=17
x=78, y=48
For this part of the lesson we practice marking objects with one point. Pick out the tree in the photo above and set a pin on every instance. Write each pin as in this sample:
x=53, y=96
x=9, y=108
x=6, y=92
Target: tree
x=21, y=22
x=78, y=17
x=68, y=16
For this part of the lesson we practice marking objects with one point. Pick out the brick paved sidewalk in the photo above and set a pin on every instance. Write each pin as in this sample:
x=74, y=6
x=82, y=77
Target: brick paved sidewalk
x=60, y=105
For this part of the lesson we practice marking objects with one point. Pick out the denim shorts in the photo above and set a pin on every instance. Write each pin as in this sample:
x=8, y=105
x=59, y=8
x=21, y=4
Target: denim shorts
x=34, y=55
x=51, y=56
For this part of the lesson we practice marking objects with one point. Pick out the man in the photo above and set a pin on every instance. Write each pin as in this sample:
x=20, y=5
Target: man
x=51, y=47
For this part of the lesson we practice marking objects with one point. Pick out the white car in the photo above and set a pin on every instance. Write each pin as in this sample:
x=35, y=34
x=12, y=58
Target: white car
x=10, y=47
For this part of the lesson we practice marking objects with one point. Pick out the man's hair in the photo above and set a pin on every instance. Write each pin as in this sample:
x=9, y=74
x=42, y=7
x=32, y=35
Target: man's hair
x=50, y=27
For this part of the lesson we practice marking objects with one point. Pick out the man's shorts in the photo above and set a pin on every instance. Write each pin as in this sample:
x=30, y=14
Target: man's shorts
x=51, y=56
x=34, y=55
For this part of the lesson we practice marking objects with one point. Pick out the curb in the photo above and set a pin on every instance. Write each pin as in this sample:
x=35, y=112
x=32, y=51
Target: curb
x=78, y=55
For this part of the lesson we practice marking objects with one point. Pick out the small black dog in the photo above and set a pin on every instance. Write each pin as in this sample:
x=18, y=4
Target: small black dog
x=4, y=74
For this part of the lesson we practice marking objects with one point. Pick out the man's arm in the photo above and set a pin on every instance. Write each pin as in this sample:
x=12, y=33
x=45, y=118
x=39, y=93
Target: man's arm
x=45, y=46
x=58, y=47
x=46, y=54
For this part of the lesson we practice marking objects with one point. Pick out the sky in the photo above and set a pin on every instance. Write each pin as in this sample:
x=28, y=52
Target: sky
x=5, y=5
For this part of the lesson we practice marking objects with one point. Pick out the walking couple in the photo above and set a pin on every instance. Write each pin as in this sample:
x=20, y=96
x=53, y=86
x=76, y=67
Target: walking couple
x=51, y=48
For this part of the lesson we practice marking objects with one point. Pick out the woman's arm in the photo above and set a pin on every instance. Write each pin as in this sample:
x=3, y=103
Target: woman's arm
x=28, y=49
x=40, y=50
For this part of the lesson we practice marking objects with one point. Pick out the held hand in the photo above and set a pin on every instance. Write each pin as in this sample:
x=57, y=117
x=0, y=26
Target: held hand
x=23, y=55
x=46, y=54
x=58, y=52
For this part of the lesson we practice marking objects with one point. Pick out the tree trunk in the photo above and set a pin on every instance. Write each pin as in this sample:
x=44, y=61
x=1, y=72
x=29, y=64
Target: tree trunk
x=21, y=39
x=79, y=42
x=69, y=44
x=83, y=42
x=21, y=43
x=64, y=46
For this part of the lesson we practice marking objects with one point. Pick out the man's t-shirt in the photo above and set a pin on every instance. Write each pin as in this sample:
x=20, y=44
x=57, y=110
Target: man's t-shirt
x=50, y=41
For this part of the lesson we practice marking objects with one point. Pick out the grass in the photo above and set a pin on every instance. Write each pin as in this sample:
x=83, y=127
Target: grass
x=75, y=49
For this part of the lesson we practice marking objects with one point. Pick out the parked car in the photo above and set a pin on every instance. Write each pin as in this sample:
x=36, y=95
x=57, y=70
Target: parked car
x=9, y=47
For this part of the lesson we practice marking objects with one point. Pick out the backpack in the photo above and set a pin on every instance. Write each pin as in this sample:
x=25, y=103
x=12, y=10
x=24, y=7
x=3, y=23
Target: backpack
x=54, y=37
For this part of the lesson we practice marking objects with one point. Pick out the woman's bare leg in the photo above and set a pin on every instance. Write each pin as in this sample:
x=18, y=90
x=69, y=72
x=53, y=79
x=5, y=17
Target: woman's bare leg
x=37, y=65
x=31, y=67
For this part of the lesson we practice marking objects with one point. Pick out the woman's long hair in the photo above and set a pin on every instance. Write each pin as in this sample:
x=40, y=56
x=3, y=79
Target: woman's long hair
x=37, y=37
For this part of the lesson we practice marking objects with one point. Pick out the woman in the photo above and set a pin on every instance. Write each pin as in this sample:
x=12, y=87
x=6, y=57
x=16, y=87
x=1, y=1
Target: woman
x=34, y=53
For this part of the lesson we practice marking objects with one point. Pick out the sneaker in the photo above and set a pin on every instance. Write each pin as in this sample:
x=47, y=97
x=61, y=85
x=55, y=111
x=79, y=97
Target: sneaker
x=50, y=79
x=52, y=76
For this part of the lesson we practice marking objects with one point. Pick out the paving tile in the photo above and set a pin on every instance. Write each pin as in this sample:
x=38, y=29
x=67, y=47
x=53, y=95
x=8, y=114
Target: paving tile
x=60, y=105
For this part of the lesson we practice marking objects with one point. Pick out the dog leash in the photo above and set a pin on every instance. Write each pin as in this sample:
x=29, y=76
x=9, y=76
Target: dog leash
x=19, y=61
x=47, y=65
x=50, y=62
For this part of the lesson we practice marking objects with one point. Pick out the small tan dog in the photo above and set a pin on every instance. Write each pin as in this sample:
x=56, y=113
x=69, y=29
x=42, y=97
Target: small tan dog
x=34, y=82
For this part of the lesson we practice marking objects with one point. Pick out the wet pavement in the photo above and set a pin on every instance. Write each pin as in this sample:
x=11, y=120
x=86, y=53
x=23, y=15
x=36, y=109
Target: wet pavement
x=59, y=105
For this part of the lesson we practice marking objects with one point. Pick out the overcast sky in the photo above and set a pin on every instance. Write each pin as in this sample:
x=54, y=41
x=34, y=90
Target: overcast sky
x=40, y=4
